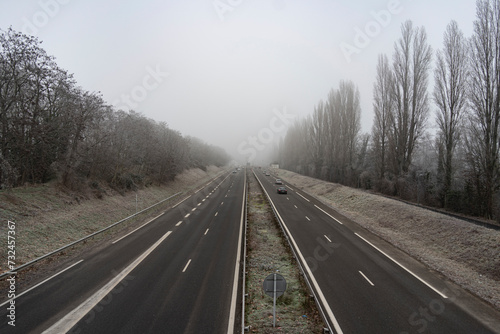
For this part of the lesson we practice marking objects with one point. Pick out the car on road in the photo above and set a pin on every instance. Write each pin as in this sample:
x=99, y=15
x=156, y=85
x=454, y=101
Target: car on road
x=281, y=190
x=278, y=181
x=267, y=174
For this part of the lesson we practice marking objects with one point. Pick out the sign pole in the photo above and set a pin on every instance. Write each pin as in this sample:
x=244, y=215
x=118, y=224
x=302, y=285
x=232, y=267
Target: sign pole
x=274, y=302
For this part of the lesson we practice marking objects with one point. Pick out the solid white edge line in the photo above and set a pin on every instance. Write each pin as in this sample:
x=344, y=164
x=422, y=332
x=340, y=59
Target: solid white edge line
x=399, y=264
x=329, y=215
x=302, y=196
x=126, y=235
x=73, y=317
x=187, y=265
x=232, y=311
x=37, y=285
x=313, y=279
x=366, y=278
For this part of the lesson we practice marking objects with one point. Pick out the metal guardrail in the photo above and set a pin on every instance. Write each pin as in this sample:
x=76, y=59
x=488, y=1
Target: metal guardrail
x=27, y=264
x=297, y=258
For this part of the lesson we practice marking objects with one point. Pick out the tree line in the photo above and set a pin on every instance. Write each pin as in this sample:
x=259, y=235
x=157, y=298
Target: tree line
x=454, y=167
x=52, y=129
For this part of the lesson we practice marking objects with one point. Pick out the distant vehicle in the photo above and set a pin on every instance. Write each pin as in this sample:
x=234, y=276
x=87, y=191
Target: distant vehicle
x=267, y=174
x=234, y=171
x=278, y=181
x=281, y=190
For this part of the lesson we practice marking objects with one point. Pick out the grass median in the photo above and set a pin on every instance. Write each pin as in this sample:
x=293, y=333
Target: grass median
x=267, y=253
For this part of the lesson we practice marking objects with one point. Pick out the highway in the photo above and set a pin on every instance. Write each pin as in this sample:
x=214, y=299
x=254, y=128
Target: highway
x=178, y=273
x=366, y=285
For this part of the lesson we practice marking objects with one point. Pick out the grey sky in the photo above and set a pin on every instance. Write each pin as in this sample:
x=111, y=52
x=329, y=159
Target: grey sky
x=227, y=71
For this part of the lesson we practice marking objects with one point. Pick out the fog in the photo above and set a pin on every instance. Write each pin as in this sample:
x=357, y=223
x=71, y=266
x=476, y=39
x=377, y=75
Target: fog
x=233, y=73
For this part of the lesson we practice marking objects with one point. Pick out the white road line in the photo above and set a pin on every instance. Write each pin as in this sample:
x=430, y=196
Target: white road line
x=187, y=215
x=203, y=200
x=222, y=203
x=44, y=281
x=206, y=231
x=308, y=218
x=72, y=318
x=295, y=206
x=328, y=238
x=232, y=310
x=329, y=215
x=399, y=264
x=179, y=223
x=187, y=265
x=225, y=196
x=193, y=209
x=216, y=214
x=198, y=204
x=302, y=197
x=290, y=188
x=287, y=199
x=126, y=235
x=366, y=278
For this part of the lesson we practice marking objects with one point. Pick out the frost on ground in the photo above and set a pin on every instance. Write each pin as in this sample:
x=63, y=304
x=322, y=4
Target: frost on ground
x=466, y=253
x=48, y=217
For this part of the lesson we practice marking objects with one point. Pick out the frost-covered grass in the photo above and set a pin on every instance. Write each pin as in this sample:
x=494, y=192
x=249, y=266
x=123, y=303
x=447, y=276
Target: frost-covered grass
x=48, y=217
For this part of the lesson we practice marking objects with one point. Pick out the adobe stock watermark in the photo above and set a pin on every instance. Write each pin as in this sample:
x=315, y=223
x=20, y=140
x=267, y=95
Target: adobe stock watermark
x=224, y=6
x=266, y=136
x=151, y=81
x=363, y=36
x=48, y=10
x=421, y=318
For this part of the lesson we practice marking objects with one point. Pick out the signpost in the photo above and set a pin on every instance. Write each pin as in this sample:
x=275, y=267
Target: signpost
x=274, y=286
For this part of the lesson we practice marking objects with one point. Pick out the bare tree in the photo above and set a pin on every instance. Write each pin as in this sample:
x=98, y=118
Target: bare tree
x=317, y=138
x=484, y=97
x=383, y=108
x=450, y=77
x=412, y=58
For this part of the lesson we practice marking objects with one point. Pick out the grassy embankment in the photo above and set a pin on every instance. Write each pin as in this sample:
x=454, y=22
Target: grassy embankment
x=48, y=217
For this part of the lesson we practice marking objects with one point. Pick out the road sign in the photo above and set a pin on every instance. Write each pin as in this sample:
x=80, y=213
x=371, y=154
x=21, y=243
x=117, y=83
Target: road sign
x=268, y=285
x=274, y=286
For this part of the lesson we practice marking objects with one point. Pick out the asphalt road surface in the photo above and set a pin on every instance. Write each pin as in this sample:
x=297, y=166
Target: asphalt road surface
x=366, y=285
x=179, y=273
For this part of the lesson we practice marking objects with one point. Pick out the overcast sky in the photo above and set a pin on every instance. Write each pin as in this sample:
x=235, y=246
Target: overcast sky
x=233, y=73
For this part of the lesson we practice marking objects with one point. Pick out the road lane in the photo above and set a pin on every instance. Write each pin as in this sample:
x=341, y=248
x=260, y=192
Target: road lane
x=396, y=303
x=156, y=293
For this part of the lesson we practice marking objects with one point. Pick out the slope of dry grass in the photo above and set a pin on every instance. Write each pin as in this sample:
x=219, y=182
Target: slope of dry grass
x=48, y=217
x=468, y=254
